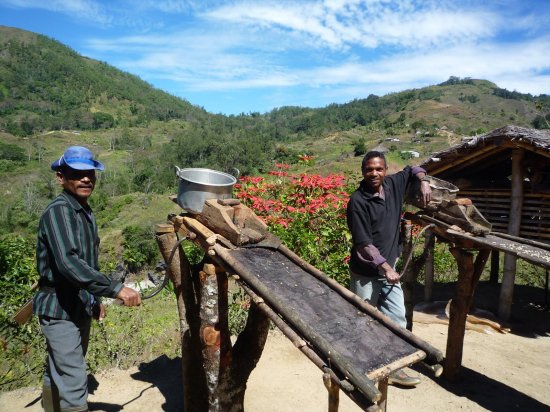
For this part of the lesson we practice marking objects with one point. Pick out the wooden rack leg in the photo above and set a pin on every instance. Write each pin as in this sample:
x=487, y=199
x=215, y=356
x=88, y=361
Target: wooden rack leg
x=333, y=393
x=383, y=388
x=194, y=391
x=210, y=332
x=468, y=275
x=429, y=268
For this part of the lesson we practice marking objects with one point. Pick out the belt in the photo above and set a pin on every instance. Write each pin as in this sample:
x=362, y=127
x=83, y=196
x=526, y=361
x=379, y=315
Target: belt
x=47, y=289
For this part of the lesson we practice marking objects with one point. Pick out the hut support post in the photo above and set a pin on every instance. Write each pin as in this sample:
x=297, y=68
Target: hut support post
x=509, y=273
x=429, y=268
x=468, y=276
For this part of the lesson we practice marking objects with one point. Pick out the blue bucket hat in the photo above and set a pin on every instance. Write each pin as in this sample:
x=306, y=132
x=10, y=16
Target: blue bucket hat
x=79, y=158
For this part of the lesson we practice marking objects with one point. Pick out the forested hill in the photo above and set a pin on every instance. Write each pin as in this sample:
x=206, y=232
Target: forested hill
x=51, y=97
x=45, y=85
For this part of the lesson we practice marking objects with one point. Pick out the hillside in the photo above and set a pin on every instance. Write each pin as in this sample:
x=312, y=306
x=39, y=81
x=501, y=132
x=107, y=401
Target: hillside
x=44, y=85
x=51, y=97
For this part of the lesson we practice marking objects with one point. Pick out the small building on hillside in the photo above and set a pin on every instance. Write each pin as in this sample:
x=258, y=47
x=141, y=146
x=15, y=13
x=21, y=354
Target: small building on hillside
x=409, y=154
x=506, y=173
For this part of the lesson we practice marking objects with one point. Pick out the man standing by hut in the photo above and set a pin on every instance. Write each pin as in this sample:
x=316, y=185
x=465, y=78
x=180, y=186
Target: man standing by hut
x=70, y=282
x=373, y=217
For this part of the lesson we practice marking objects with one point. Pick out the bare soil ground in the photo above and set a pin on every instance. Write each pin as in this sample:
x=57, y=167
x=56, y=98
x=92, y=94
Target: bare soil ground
x=501, y=372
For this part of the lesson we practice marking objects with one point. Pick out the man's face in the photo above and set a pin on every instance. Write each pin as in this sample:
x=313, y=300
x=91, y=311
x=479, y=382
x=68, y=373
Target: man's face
x=80, y=183
x=374, y=173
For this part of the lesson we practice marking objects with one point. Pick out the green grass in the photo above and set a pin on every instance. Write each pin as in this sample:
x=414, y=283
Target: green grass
x=125, y=338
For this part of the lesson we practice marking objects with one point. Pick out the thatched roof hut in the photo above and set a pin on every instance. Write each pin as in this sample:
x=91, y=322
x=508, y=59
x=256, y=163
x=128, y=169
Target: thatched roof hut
x=507, y=175
x=482, y=168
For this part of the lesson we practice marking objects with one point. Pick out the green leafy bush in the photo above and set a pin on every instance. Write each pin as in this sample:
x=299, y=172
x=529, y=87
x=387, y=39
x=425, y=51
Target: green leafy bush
x=140, y=248
x=18, y=269
x=21, y=348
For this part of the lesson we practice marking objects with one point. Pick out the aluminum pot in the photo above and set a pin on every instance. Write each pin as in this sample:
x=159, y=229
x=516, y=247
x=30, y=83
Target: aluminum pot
x=198, y=185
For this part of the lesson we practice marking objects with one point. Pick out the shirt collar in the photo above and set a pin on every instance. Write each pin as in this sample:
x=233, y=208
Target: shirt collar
x=73, y=202
x=369, y=194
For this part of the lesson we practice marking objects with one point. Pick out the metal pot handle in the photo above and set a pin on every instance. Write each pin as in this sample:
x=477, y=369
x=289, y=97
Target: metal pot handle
x=237, y=174
x=178, y=170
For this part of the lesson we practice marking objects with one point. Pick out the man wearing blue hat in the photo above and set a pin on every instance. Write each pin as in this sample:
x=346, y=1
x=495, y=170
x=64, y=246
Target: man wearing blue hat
x=70, y=282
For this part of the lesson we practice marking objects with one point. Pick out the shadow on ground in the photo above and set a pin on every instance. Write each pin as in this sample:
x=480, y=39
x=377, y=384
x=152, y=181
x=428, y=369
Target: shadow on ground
x=530, y=312
x=486, y=392
x=163, y=373
x=530, y=318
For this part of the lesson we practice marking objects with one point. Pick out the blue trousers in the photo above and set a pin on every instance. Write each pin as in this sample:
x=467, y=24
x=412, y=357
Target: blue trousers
x=67, y=343
x=387, y=297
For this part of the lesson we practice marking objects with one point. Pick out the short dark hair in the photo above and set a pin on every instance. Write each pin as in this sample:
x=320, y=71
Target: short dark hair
x=371, y=155
x=63, y=169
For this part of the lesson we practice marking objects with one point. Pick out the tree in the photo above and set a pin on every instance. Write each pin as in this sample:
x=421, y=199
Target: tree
x=359, y=147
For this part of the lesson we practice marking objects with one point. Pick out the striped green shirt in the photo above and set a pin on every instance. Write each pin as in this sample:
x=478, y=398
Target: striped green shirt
x=67, y=261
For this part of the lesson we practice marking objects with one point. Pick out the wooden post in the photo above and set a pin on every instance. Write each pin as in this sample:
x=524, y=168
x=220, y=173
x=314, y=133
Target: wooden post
x=468, y=276
x=244, y=356
x=214, y=373
x=514, y=225
x=546, y=288
x=210, y=332
x=408, y=279
x=495, y=263
x=333, y=393
x=195, y=395
x=429, y=267
x=383, y=388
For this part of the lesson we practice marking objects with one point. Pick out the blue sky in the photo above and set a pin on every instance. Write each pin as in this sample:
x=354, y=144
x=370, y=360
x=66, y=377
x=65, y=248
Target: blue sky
x=252, y=56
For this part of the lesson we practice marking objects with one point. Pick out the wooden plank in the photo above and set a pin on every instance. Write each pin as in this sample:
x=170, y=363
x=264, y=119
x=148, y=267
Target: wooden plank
x=541, y=245
x=384, y=371
x=537, y=256
x=501, y=193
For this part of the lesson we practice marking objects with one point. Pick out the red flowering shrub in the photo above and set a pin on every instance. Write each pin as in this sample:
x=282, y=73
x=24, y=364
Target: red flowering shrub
x=307, y=212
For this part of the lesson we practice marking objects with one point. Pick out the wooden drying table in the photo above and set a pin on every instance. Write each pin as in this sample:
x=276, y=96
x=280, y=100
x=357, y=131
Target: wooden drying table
x=469, y=271
x=351, y=341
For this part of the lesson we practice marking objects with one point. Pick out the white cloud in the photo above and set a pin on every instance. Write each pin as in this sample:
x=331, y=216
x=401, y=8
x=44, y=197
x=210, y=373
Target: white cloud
x=82, y=9
x=367, y=24
x=335, y=48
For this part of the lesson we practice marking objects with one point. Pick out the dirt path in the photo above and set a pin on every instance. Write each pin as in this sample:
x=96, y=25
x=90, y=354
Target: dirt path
x=501, y=373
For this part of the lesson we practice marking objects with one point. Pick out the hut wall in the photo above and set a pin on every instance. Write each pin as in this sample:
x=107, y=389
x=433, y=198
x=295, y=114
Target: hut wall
x=495, y=206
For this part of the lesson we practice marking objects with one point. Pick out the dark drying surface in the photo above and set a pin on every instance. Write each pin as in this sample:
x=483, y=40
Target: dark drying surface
x=362, y=340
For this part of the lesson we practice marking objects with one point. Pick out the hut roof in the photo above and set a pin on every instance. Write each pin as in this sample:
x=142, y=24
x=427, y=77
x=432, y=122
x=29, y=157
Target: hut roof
x=381, y=148
x=508, y=136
